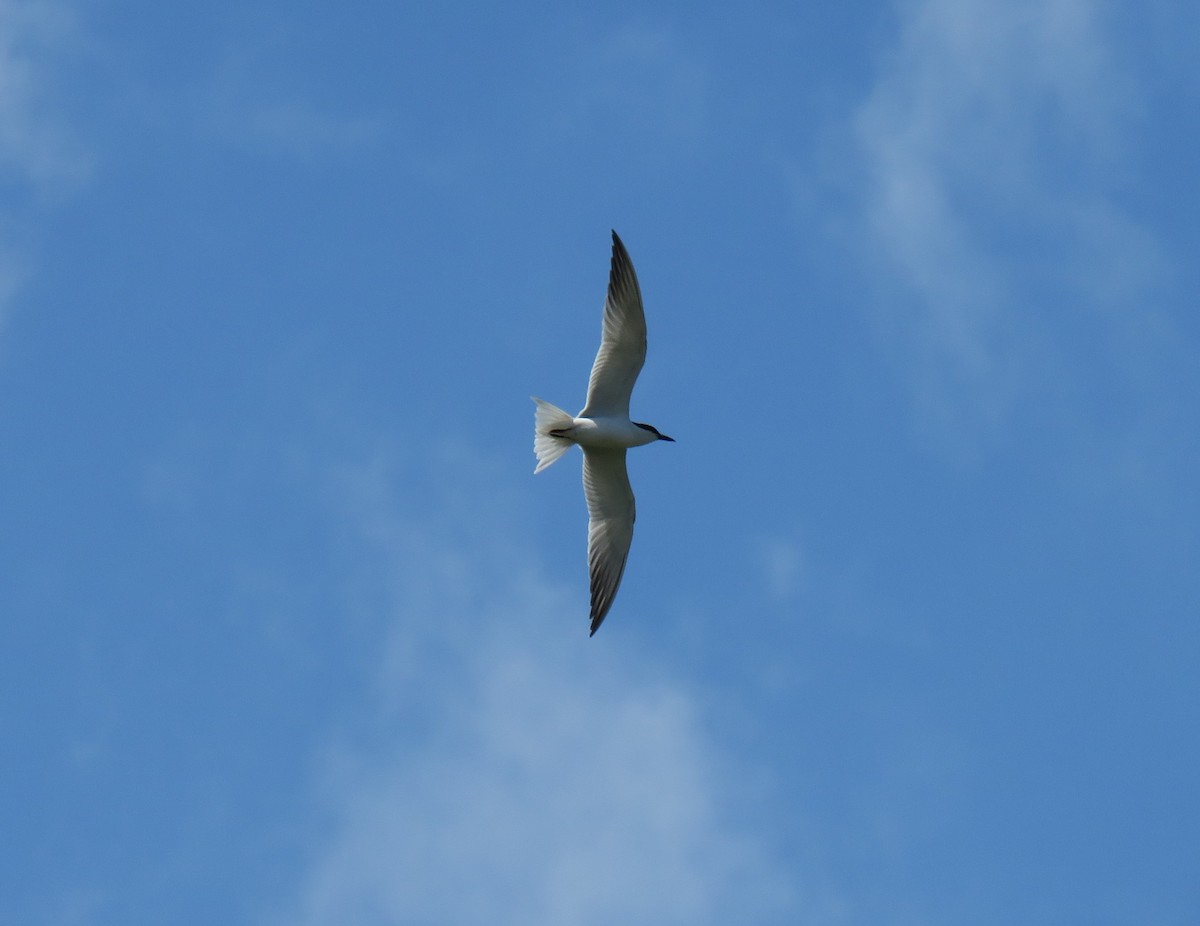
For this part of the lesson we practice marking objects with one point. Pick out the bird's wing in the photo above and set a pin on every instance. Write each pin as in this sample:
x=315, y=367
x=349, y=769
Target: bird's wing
x=610, y=524
x=622, y=342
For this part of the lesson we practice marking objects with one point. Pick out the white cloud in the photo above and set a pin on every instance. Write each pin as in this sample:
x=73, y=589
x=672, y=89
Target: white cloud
x=38, y=157
x=785, y=567
x=528, y=774
x=250, y=103
x=35, y=148
x=988, y=147
x=291, y=126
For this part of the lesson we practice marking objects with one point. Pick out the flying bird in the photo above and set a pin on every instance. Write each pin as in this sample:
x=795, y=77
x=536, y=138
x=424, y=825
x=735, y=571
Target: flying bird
x=604, y=432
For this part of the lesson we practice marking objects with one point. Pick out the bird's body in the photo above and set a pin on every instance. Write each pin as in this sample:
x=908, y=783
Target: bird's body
x=604, y=432
x=609, y=433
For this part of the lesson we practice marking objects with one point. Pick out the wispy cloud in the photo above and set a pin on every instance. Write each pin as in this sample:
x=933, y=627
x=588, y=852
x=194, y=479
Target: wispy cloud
x=990, y=148
x=250, y=105
x=785, y=567
x=527, y=775
x=36, y=149
x=289, y=126
x=39, y=158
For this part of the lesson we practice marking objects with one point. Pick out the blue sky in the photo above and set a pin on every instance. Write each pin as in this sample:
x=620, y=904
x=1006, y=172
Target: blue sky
x=909, y=629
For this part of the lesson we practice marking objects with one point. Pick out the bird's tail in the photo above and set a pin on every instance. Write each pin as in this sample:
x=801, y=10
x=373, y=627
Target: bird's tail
x=549, y=418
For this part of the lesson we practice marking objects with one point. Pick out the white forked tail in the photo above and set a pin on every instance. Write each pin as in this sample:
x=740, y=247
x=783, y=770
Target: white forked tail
x=549, y=418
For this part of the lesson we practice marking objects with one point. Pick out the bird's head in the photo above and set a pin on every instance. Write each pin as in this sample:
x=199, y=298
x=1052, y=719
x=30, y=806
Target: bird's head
x=653, y=430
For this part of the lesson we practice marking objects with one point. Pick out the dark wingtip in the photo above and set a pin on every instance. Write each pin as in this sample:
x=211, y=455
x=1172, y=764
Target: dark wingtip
x=622, y=281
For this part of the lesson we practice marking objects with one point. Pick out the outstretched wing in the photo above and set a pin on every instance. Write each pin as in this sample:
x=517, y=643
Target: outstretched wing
x=611, y=513
x=622, y=342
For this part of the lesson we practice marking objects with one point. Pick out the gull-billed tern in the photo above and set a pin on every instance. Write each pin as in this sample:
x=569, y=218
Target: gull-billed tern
x=604, y=432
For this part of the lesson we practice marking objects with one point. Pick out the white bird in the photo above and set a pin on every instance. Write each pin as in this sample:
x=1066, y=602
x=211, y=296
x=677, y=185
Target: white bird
x=604, y=432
